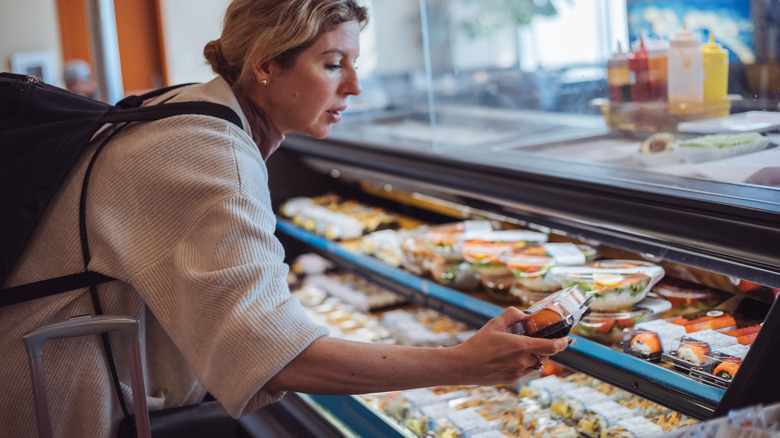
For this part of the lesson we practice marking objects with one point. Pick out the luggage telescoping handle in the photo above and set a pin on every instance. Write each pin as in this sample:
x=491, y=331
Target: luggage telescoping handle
x=82, y=326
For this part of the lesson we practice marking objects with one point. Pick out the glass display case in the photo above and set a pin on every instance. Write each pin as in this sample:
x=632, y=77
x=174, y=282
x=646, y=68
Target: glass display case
x=501, y=111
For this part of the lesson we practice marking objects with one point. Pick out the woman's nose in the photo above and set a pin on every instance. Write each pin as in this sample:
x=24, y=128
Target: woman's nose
x=351, y=86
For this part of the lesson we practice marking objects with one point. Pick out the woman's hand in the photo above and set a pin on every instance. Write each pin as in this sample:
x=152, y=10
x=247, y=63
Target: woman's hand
x=494, y=356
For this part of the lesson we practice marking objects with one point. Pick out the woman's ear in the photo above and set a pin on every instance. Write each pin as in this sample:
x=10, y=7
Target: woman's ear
x=262, y=72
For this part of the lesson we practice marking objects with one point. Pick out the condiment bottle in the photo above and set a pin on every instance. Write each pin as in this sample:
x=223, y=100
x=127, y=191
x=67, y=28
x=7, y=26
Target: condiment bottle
x=715, y=60
x=657, y=66
x=639, y=75
x=685, y=72
x=617, y=76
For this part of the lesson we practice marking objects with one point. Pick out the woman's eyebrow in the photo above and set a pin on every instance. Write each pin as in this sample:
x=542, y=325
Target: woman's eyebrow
x=339, y=51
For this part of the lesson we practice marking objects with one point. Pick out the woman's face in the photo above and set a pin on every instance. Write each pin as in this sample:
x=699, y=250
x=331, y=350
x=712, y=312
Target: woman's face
x=309, y=97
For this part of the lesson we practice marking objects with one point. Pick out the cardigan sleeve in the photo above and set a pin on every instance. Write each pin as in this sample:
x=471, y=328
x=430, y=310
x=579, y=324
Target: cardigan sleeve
x=185, y=218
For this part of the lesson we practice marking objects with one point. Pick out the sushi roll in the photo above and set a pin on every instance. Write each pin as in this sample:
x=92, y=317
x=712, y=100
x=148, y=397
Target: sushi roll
x=693, y=353
x=745, y=335
x=542, y=319
x=714, y=320
x=727, y=369
x=646, y=344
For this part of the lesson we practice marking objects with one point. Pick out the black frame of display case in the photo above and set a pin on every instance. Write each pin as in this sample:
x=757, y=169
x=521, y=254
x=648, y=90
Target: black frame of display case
x=733, y=233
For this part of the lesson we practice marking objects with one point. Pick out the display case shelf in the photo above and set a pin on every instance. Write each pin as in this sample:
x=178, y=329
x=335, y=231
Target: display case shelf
x=648, y=380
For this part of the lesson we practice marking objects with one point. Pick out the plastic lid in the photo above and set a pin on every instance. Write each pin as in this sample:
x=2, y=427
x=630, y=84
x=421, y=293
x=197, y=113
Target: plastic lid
x=506, y=236
x=656, y=47
x=641, y=52
x=668, y=288
x=712, y=46
x=619, y=56
x=616, y=315
x=684, y=37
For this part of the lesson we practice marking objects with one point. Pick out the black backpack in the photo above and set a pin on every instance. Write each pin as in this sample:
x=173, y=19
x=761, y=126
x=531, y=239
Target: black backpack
x=43, y=130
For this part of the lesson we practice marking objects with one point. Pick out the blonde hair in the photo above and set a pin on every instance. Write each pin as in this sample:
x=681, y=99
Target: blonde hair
x=256, y=31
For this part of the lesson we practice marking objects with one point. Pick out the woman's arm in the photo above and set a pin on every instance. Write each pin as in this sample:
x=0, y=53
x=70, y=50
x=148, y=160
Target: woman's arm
x=492, y=356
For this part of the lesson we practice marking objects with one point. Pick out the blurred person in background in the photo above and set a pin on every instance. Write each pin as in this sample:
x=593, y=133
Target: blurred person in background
x=79, y=78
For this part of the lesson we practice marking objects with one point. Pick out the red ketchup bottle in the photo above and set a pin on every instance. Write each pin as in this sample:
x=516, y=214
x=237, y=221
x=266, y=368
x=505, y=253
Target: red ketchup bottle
x=639, y=74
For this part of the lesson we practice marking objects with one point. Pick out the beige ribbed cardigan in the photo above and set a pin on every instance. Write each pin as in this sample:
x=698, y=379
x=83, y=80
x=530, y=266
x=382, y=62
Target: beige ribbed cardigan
x=179, y=211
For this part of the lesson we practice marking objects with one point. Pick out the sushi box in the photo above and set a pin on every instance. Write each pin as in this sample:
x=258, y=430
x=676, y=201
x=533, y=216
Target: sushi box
x=555, y=316
x=651, y=340
x=695, y=347
x=721, y=365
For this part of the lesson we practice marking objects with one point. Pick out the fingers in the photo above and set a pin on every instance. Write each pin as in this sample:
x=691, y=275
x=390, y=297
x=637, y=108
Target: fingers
x=545, y=347
x=509, y=317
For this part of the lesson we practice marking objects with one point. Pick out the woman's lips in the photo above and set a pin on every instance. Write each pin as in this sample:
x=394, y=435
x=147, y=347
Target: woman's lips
x=335, y=115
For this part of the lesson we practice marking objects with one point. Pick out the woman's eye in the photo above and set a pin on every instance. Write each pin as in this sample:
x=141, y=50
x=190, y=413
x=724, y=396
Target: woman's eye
x=333, y=66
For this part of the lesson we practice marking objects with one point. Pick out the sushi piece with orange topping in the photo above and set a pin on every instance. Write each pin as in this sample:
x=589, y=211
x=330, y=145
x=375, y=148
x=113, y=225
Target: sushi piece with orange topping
x=711, y=322
x=646, y=343
x=745, y=335
x=727, y=369
x=693, y=353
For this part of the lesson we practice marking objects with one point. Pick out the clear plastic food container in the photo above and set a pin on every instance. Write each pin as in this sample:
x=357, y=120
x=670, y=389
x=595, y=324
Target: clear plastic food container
x=686, y=298
x=721, y=365
x=414, y=250
x=554, y=316
x=445, y=240
x=530, y=265
x=484, y=251
x=609, y=327
x=615, y=284
x=455, y=274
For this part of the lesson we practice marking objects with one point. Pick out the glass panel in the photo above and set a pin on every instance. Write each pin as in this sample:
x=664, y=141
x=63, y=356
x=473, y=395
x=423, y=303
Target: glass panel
x=518, y=82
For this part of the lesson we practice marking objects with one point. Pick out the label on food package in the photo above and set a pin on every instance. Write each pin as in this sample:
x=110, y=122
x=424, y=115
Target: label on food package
x=738, y=350
x=470, y=227
x=611, y=411
x=585, y=396
x=550, y=387
x=436, y=412
x=669, y=334
x=424, y=396
x=470, y=422
x=640, y=427
x=489, y=434
x=713, y=339
x=565, y=253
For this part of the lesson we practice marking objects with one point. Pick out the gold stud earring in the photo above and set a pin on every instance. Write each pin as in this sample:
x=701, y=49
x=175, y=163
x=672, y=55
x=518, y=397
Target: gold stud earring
x=264, y=81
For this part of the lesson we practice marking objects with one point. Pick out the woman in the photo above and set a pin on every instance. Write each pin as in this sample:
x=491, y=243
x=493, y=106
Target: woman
x=179, y=212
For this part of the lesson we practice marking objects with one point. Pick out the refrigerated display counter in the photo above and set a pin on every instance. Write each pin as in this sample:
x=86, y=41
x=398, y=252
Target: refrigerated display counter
x=724, y=242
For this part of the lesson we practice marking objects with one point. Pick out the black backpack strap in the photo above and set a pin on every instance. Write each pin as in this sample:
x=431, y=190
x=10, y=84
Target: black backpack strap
x=136, y=101
x=163, y=110
x=50, y=286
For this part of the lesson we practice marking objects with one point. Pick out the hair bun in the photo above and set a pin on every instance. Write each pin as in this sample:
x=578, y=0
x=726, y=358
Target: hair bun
x=215, y=58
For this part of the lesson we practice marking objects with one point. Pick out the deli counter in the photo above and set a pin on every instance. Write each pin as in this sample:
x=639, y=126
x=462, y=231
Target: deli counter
x=690, y=191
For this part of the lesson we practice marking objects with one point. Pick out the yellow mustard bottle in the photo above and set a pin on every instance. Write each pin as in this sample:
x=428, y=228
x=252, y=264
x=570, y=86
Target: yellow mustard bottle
x=715, y=61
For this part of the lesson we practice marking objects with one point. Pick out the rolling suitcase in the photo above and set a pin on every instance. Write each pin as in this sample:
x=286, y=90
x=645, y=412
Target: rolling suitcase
x=81, y=326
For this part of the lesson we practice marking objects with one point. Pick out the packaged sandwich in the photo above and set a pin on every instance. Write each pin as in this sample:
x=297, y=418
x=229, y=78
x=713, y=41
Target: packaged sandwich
x=573, y=404
x=635, y=427
x=545, y=389
x=600, y=416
